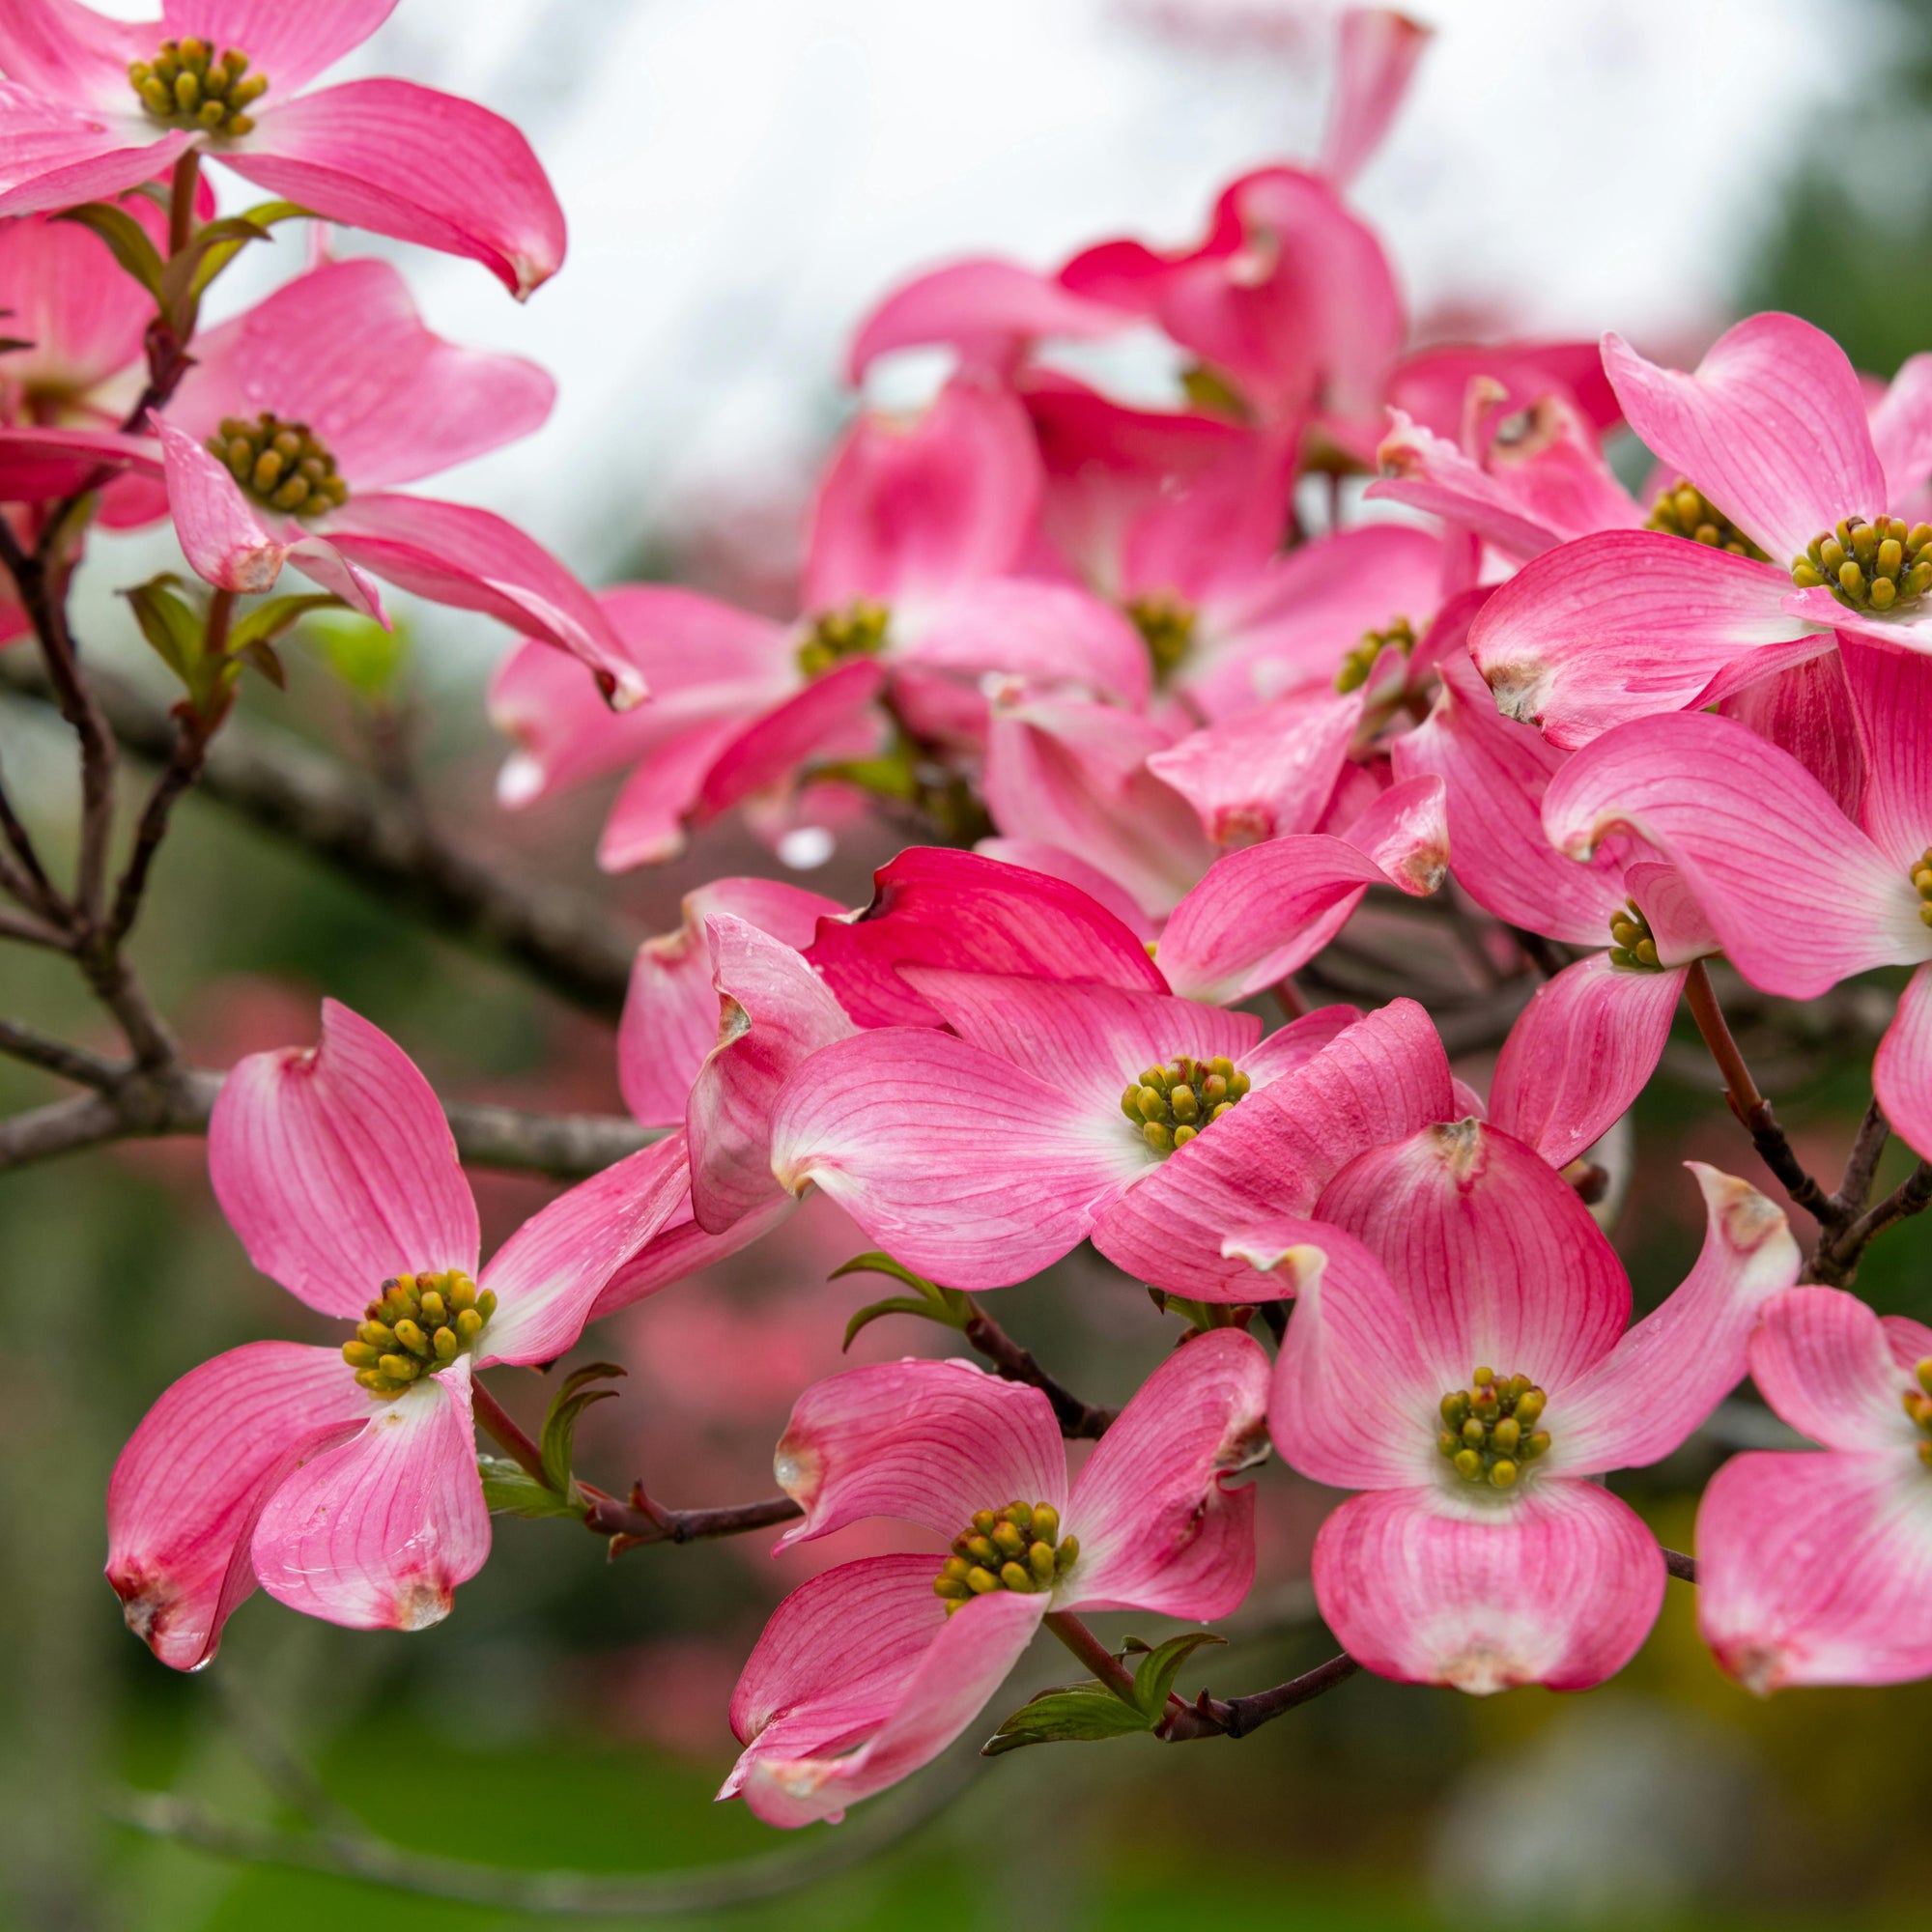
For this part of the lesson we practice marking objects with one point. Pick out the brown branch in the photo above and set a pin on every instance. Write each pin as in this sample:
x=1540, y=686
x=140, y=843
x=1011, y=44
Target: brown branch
x=1081, y=1420
x=1837, y=1262
x=631, y=1525
x=1235, y=1716
x=31, y=931
x=56, y=1056
x=184, y=767
x=1682, y=1568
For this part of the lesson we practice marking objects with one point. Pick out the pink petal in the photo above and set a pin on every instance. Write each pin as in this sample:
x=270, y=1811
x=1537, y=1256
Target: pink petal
x=1263, y=773
x=1668, y=1374
x=1406, y=834
x=1824, y=1361
x=222, y=537
x=1772, y=428
x=1160, y=1527
x=56, y=156
x=1031, y=856
x=71, y=53
x=1901, y=429
x=291, y=45
x=1054, y=632
x=378, y=1532
x=1378, y=50
x=1808, y=711
x=1891, y=697
x=969, y=1168
x=1902, y=1067
x=681, y=1247
x=671, y=1009
x=1297, y=1043
x=1377, y=1081
x=1622, y=625
x=342, y=349
x=1817, y=1568
x=187, y=1490
x=472, y=560
x=777, y=1012
x=1497, y=1259
x=334, y=1165
x=966, y=1659
x=39, y=463
x=1713, y=798
x=924, y=1443
x=1580, y=1053
x=1433, y=385
x=68, y=296
x=653, y=807
x=406, y=161
x=913, y=510
x=770, y=748
x=936, y=907
x=1559, y=1587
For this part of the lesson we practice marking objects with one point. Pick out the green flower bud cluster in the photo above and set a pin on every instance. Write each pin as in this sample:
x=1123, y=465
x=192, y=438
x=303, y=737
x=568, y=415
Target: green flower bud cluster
x=1876, y=566
x=1166, y=624
x=1489, y=1428
x=1171, y=1104
x=1632, y=945
x=185, y=86
x=1921, y=880
x=1685, y=511
x=1918, y=1406
x=1019, y=1547
x=419, y=1323
x=279, y=463
x=857, y=631
x=1361, y=659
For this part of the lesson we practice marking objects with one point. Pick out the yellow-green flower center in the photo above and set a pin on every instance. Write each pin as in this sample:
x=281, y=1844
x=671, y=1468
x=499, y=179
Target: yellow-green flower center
x=1489, y=1428
x=1918, y=1406
x=1019, y=1547
x=1685, y=511
x=1921, y=880
x=1361, y=658
x=1632, y=945
x=186, y=86
x=1883, y=565
x=280, y=463
x=1171, y=1104
x=1166, y=624
x=420, y=1323
x=856, y=630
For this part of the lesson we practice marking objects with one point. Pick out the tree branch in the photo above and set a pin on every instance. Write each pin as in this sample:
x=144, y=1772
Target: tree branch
x=641, y=1520
x=1078, y=1419
x=1235, y=1716
x=56, y=1056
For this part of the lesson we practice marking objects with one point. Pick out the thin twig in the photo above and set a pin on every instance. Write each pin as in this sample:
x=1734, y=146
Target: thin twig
x=22, y=876
x=1682, y=1568
x=177, y=776
x=56, y=1056
x=1092, y=1653
x=1235, y=1716
x=1081, y=1420
x=31, y=931
x=638, y=1522
x=1837, y=1262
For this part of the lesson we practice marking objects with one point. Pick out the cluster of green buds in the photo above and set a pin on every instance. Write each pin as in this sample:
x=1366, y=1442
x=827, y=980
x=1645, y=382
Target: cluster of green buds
x=858, y=630
x=1876, y=566
x=1632, y=945
x=1361, y=658
x=1166, y=624
x=1171, y=1104
x=1489, y=1428
x=1921, y=880
x=1685, y=511
x=1918, y=1406
x=1019, y=1547
x=419, y=1323
x=279, y=463
x=186, y=86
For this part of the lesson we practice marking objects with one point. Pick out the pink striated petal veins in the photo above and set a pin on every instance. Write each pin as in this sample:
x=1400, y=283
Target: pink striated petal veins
x=769, y=750
x=1891, y=702
x=66, y=295
x=221, y=533
x=290, y=44
x=55, y=156
x=1265, y=773
x=1828, y=1366
x=1902, y=1068
x=1031, y=856
x=70, y=52
x=682, y=1248
x=1901, y=429
x=39, y=463
x=1806, y=710
x=1052, y=631
x=335, y=1167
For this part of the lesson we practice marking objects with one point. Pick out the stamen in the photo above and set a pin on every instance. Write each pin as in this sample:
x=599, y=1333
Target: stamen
x=185, y=86
x=1166, y=624
x=1490, y=1432
x=1019, y=1547
x=1171, y=1104
x=1918, y=1406
x=857, y=631
x=1684, y=511
x=1921, y=880
x=1879, y=566
x=280, y=463
x=1632, y=945
x=1361, y=659
x=420, y=1323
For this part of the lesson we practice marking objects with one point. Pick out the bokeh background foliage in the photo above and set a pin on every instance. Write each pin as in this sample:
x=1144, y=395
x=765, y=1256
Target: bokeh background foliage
x=571, y=1715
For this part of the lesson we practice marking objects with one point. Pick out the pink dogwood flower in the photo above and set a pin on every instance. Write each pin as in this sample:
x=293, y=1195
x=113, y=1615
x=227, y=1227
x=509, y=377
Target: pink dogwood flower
x=1460, y=1352
x=344, y=1480
x=284, y=439
x=1839, y=894
x=1817, y=1568
x=870, y=1670
x=94, y=106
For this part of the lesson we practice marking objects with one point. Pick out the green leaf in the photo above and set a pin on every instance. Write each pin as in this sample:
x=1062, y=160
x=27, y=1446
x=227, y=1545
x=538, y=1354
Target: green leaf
x=126, y=238
x=897, y=1304
x=262, y=655
x=1075, y=1714
x=368, y=658
x=267, y=621
x=251, y=225
x=510, y=1489
x=944, y=1305
x=1154, y=1674
x=171, y=625
x=559, y=1429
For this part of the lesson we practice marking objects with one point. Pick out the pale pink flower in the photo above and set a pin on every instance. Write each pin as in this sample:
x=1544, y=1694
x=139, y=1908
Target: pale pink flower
x=1817, y=1568
x=284, y=1464
x=381, y=155
x=1460, y=1352
x=868, y=1672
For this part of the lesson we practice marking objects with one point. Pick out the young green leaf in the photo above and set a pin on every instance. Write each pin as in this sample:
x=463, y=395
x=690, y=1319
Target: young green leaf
x=125, y=237
x=267, y=621
x=510, y=1489
x=1154, y=1674
x=559, y=1429
x=1074, y=1714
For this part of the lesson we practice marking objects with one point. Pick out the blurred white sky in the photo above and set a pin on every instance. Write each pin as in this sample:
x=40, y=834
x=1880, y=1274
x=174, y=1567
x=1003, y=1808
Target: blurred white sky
x=743, y=176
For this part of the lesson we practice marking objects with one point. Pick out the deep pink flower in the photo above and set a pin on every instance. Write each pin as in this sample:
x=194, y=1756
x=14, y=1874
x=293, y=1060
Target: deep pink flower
x=1773, y=430
x=281, y=1464
x=1467, y=1306
x=339, y=362
x=381, y=155
x=1818, y=1569
x=868, y=1672
x=1800, y=894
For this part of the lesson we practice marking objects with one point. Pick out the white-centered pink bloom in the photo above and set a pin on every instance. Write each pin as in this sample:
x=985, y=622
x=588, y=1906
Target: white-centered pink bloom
x=347, y=1488
x=94, y=105
x=1460, y=1352
x=871, y=1670
x=285, y=440
x=1817, y=1568
x=1800, y=894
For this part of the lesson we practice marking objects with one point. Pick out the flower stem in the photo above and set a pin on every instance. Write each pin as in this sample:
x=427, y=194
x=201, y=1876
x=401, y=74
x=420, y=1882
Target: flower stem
x=1094, y=1654
x=181, y=187
x=498, y=1425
